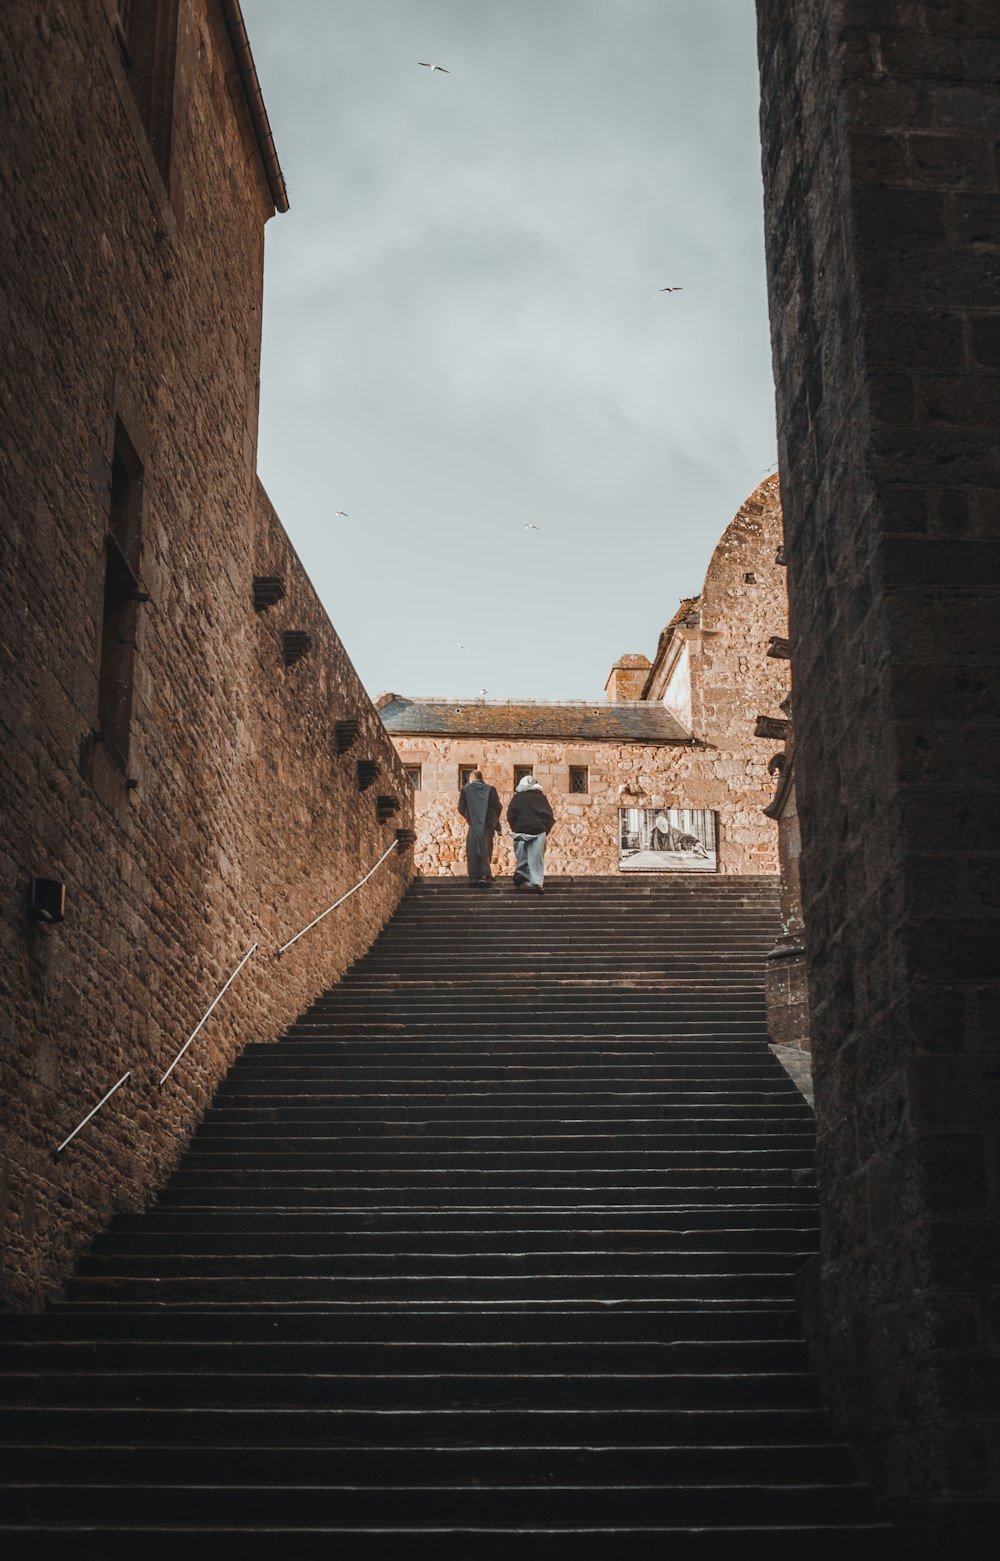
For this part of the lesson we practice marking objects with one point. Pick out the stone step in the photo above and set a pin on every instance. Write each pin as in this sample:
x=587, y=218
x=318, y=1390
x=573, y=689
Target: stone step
x=565, y=1541
x=543, y=1502
x=557, y=1391
x=492, y=1255
x=421, y=1263
x=181, y=1357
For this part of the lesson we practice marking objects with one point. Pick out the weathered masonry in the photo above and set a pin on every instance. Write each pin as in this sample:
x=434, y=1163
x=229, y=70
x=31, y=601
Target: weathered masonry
x=171, y=761
x=880, y=134
x=680, y=732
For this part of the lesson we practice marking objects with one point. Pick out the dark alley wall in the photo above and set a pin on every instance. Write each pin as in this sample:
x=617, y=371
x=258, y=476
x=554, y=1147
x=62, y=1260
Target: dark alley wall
x=880, y=152
x=162, y=751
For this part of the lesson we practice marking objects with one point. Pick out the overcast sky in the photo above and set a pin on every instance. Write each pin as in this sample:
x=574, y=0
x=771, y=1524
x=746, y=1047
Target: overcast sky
x=464, y=333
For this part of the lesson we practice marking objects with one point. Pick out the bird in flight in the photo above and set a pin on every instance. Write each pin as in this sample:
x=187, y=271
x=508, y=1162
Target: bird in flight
x=483, y=692
x=529, y=527
x=671, y=289
x=460, y=645
x=342, y=512
x=427, y=64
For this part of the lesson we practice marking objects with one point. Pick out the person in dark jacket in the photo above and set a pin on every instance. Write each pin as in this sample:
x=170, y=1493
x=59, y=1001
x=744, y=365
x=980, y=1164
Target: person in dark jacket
x=530, y=817
x=479, y=804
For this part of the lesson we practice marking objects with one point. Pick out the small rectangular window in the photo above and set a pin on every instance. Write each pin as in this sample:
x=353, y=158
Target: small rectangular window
x=579, y=778
x=520, y=771
x=146, y=31
x=121, y=598
x=413, y=775
x=125, y=18
x=465, y=774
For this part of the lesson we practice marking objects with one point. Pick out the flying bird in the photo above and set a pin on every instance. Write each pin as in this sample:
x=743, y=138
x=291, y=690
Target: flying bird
x=671, y=289
x=529, y=527
x=483, y=692
x=342, y=512
x=427, y=64
x=460, y=645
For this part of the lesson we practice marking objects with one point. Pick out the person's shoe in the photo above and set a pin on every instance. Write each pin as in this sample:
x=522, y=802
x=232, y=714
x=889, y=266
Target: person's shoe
x=482, y=883
x=518, y=881
x=538, y=888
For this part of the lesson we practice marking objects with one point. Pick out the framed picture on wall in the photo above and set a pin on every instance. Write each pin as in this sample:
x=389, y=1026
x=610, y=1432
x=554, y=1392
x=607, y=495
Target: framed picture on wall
x=667, y=840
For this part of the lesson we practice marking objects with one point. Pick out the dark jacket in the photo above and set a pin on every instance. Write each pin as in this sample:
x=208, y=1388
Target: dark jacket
x=529, y=813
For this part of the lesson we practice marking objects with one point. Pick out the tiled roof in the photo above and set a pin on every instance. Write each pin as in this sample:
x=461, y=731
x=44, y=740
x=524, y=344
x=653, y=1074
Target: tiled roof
x=617, y=721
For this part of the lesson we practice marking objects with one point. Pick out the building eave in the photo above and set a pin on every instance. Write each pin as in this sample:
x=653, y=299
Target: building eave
x=236, y=28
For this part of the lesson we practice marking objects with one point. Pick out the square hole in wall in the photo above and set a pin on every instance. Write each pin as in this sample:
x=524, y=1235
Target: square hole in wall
x=414, y=774
x=520, y=771
x=465, y=774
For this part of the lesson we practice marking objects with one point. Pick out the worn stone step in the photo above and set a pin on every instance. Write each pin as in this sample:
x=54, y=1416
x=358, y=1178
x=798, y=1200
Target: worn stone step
x=386, y=1195
x=566, y=1541
x=421, y=1263
x=298, y=1505
x=454, y=1391
x=159, y=1465
x=460, y=1286
x=290, y=1427
x=656, y=1245
x=544, y=1324
x=264, y=1358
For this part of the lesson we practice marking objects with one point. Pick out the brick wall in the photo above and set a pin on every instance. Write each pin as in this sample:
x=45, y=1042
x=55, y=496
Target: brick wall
x=879, y=127
x=134, y=300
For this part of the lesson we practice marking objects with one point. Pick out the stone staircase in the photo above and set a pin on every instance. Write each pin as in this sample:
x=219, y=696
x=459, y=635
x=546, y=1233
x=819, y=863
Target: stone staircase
x=490, y=1257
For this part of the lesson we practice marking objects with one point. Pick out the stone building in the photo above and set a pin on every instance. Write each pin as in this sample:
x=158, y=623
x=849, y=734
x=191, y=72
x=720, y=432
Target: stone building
x=674, y=734
x=171, y=761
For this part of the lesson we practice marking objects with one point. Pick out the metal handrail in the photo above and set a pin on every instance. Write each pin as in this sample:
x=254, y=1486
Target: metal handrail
x=317, y=919
x=218, y=996
x=57, y=1152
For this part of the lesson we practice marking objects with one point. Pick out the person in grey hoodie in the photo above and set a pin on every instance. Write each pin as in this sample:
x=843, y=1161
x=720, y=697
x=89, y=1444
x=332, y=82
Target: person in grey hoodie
x=479, y=805
x=530, y=816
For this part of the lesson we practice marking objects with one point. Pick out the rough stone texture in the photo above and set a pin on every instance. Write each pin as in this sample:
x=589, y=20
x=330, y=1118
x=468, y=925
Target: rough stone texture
x=786, y=983
x=627, y=677
x=879, y=126
x=716, y=650
x=121, y=297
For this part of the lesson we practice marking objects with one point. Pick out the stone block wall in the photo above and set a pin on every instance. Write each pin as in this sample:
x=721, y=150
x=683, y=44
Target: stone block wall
x=879, y=127
x=130, y=308
x=585, y=840
x=732, y=680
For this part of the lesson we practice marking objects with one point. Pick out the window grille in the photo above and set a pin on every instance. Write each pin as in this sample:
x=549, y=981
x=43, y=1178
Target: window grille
x=413, y=775
x=579, y=780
